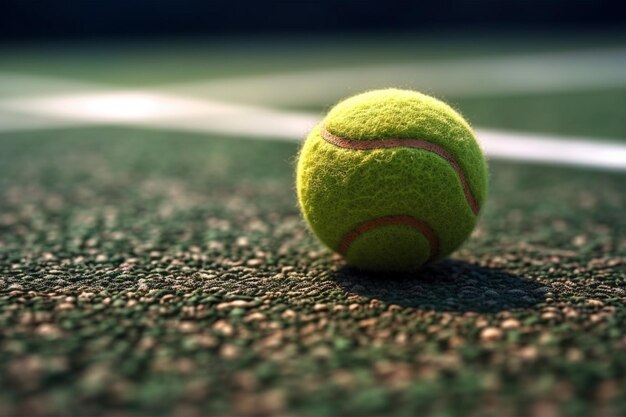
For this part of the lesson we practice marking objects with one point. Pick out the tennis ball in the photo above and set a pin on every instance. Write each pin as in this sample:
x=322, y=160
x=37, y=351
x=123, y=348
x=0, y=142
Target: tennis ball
x=391, y=179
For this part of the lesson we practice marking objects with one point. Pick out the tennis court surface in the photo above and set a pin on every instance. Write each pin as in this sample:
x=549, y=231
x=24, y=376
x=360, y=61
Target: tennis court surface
x=153, y=260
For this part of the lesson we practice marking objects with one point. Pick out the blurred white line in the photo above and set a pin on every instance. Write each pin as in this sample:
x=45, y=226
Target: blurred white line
x=587, y=152
x=152, y=110
x=535, y=73
x=500, y=75
x=149, y=109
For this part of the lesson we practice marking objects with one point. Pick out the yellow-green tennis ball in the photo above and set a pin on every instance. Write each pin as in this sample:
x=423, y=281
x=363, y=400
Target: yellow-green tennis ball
x=392, y=179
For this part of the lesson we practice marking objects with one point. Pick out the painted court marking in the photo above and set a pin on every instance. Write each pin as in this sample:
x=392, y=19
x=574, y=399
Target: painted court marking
x=552, y=149
x=31, y=102
x=535, y=73
x=152, y=110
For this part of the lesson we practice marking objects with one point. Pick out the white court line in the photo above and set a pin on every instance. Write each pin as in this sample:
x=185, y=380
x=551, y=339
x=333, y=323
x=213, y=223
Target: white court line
x=149, y=109
x=19, y=86
x=71, y=103
x=500, y=75
x=152, y=110
x=562, y=150
x=544, y=72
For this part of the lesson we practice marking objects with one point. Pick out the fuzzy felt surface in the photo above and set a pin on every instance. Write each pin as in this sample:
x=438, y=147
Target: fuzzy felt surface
x=339, y=189
x=401, y=247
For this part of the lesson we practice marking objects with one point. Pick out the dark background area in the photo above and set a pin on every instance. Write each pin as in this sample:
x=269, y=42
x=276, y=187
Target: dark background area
x=63, y=19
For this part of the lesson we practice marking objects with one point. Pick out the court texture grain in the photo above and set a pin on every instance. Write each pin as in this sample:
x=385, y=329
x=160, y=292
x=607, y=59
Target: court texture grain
x=163, y=271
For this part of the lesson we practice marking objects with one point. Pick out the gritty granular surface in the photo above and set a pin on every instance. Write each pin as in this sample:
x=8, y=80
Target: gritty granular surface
x=146, y=273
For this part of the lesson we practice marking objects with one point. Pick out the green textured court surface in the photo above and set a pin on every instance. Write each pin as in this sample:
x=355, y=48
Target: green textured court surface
x=150, y=272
